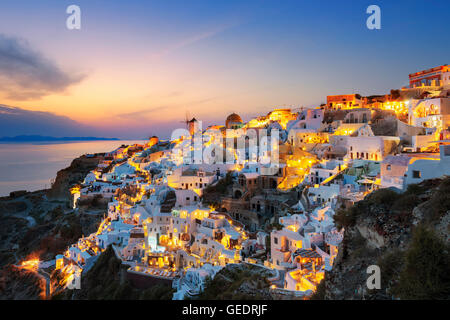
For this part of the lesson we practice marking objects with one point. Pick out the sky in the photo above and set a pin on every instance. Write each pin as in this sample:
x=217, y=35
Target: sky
x=136, y=68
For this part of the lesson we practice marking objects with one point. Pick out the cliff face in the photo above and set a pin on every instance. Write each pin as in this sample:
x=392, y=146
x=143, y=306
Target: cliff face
x=242, y=282
x=39, y=223
x=20, y=284
x=406, y=235
x=68, y=177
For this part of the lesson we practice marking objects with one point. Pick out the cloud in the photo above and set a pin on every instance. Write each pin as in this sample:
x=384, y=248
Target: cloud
x=174, y=108
x=191, y=40
x=135, y=115
x=17, y=121
x=26, y=74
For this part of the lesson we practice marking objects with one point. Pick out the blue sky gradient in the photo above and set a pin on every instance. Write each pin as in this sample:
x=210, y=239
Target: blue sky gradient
x=248, y=57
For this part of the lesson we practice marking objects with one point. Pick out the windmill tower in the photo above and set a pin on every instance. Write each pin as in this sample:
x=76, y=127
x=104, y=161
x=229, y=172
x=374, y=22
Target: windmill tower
x=186, y=120
x=191, y=125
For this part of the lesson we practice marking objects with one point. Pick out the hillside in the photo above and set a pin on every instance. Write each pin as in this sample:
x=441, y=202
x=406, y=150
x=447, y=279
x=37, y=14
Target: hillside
x=68, y=177
x=38, y=225
x=407, y=235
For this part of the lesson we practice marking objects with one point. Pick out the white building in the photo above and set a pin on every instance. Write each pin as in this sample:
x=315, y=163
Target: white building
x=310, y=119
x=324, y=170
x=393, y=171
x=371, y=148
x=423, y=169
x=195, y=179
x=186, y=198
x=430, y=113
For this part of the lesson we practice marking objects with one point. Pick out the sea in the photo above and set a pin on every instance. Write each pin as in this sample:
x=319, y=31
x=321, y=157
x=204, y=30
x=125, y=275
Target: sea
x=32, y=166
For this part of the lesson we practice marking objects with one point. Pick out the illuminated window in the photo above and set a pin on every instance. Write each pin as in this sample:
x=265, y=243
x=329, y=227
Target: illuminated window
x=416, y=174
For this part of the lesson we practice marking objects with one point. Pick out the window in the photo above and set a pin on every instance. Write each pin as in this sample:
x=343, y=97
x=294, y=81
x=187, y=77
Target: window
x=446, y=150
x=275, y=240
x=416, y=174
x=388, y=167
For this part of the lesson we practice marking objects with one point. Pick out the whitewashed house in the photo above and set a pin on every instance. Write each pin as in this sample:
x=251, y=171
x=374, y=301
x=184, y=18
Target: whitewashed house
x=423, y=169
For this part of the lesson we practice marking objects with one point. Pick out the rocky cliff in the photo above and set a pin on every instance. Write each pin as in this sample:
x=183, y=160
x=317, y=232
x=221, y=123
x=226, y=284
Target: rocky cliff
x=41, y=224
x=406, y=235
x=68, y=177
x=20, y=284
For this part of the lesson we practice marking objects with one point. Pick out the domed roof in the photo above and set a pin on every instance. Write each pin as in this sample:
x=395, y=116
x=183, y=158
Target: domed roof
x=232, y=119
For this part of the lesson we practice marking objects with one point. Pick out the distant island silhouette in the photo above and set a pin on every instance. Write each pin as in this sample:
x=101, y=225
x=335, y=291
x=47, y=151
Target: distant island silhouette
x=38, y=138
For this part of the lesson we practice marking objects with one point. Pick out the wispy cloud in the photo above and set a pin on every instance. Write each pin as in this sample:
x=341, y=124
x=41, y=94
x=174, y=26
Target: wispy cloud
x=141, y=113
x=145, y=112
x=26, y=74
x=191, y=40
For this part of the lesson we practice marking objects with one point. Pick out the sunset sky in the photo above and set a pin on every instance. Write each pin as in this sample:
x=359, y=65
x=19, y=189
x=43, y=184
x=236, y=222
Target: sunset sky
x=136, y=67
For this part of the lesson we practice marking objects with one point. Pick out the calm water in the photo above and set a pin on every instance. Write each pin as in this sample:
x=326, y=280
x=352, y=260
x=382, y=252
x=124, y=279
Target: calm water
x=32, y=166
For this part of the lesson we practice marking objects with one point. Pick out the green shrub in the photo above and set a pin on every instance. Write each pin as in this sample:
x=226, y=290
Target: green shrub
x=390, y=264
x=319, y=294
x=157, y=292
x=426, y=272
x=385, y=197
x=345, y=218
x=414, y=189
x=440, y=201
x=406, y=202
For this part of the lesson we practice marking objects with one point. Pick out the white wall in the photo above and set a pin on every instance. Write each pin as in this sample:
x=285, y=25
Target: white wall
x=423, y=169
